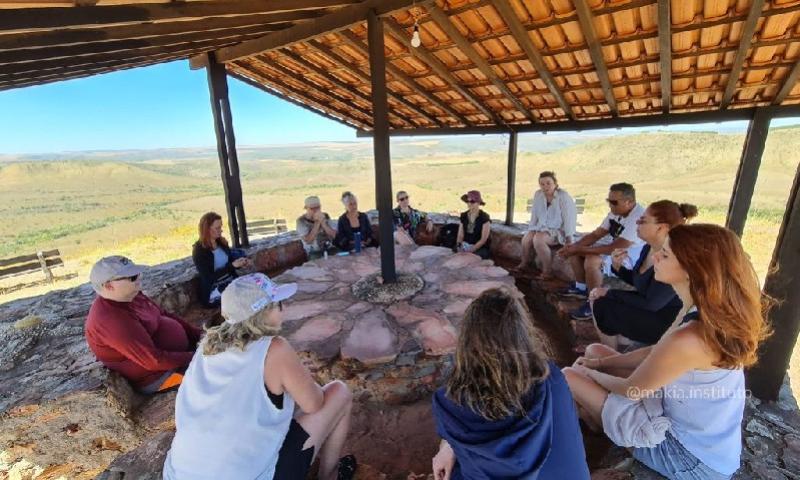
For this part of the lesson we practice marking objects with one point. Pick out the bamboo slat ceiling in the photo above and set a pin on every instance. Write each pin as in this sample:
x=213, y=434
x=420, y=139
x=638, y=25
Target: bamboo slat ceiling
x=481, y=62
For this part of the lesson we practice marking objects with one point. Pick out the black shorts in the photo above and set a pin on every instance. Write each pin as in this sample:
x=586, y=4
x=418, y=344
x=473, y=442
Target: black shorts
x=294, y=462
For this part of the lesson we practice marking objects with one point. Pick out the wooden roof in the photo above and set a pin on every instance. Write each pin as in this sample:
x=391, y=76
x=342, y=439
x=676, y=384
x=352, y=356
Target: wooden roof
x=481, y=63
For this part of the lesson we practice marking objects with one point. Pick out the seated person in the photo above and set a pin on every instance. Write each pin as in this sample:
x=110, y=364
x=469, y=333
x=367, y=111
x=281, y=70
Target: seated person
x=553, y=222
x=235, y=411
x=214, y=260
x=407, y=220
x=645, y=314
x=475, y=226
x=590, y=257
x=313, y=227
x=695, y=372
x=510, y=415
x=351, y=222
x=132, y=335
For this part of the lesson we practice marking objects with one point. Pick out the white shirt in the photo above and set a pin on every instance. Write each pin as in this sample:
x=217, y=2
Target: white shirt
x=560, y=218
x=624, y=227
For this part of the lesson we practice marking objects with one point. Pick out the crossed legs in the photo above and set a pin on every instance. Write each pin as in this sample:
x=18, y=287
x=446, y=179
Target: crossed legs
x=327, y=428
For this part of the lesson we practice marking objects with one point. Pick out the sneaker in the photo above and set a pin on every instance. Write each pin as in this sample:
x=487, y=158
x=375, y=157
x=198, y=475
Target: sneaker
x=347, y=467
x=582, y=313
x=574, y=291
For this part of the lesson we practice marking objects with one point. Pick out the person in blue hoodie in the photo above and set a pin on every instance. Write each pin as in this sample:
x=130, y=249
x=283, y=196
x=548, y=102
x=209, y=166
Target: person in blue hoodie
x=506, y=412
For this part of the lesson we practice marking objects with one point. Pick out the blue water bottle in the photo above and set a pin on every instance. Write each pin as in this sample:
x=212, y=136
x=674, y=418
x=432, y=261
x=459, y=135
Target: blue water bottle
x=357, y=241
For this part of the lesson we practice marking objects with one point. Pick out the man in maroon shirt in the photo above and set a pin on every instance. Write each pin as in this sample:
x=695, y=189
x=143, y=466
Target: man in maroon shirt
x=132, y=335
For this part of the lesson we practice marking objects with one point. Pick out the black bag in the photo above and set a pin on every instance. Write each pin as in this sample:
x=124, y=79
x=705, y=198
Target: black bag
x=448, y=235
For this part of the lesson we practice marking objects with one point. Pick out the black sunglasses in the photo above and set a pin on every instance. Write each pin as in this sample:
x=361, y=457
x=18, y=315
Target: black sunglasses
x=472, y=201
x=612, y=202
x=403, y=199
x=131, y=279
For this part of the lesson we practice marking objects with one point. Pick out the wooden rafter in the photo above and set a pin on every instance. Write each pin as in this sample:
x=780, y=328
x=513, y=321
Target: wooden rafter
x=745, y=40
x=586, y=20
x=788, y=84
x=340, y=84
x=354, y=70
x=443, y=21
x=398, y=73
x=439, y=69
x=33, y=19
x=333, y=22
x=665, y=53
x=534, y=56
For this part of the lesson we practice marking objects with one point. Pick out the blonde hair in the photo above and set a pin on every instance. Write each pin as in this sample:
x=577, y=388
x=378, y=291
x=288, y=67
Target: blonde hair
x=229, y=335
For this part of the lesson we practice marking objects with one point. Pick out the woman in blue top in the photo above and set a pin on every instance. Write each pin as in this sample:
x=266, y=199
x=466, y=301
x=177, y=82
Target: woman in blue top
x=351, y=222
x=214, y=260
x=642, y=315
x=506, y=415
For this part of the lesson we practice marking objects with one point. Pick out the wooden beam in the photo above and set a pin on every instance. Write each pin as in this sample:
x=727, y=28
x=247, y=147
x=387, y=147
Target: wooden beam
x=275, y=93
x=748, y=29
x=788, y=84
x=782, y=283
x=665, y=52
x=310, y=86
x=443, y=21
x=511, y=179
x=380, y=140
x=354, y=70
x=747, y=174
x=301, y=96
x=338, y=83
x=643, y=120
x=328, y=24
x=226, y=149
x=36, y=55
x=63, y=38
x=439, y=69
x=586, y=20
x=25, y=20
x=351, y=39
x=522, y=37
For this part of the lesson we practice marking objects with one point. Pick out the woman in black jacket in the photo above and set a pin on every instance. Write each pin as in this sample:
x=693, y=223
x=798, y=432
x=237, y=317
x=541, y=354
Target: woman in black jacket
x=644, y=314
x=214, y=260
x=351, y=222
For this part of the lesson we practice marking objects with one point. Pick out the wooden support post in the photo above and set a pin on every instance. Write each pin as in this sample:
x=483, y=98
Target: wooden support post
x=512, y=177
x=746, y=176
x=45, y=269
x=765, y=379
x=380, y=141
x=226, y=148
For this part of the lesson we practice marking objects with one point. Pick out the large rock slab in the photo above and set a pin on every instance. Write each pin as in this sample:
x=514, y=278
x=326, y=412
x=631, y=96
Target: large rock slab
x=371, y=340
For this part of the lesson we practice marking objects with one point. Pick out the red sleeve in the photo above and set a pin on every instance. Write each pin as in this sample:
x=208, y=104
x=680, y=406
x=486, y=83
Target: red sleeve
x=123, y=332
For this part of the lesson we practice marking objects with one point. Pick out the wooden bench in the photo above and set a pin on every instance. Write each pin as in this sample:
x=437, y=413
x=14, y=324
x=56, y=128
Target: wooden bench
x=27, y=264
x=267, y=228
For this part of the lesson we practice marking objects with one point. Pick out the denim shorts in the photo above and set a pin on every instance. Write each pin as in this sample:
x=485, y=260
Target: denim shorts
x=672, y=460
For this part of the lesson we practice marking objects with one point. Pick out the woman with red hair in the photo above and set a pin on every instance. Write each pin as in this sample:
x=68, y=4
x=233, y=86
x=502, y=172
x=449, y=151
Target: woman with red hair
x=694, y=372
x=214, y=260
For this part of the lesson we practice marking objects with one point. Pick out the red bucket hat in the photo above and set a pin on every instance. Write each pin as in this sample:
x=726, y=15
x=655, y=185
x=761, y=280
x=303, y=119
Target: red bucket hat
x=473, y=195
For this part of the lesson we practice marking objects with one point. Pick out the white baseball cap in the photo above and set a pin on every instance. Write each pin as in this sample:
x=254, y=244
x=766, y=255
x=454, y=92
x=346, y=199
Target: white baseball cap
x=112, y=268
x=250, y=294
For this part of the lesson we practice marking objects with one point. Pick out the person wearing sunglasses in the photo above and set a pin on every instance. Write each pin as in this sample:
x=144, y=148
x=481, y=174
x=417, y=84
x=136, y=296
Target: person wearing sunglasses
x=590, y=256
x=407, y=220
x=314, y=228
x=475, y=226
x=248, y=407
x=130, y=334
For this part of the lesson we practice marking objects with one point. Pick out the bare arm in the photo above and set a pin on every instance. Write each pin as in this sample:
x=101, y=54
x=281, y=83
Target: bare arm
x=460, y=236
x=485, y=231
x=312, y=234
x=327, y=227
x=604, y=249
x=284, y=372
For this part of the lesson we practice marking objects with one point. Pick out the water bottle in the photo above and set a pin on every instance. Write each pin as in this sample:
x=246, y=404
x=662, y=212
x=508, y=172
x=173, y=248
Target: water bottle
x=357, y=241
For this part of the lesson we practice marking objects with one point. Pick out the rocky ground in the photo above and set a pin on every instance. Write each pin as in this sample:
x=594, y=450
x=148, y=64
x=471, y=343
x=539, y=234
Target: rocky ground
x=62, y=416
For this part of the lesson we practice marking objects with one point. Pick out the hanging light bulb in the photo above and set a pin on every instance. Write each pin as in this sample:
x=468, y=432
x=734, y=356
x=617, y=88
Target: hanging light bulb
x=415, y=40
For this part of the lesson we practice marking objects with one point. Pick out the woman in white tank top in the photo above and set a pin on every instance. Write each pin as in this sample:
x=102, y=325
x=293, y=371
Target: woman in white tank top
x=697, y=366
x=234, y=410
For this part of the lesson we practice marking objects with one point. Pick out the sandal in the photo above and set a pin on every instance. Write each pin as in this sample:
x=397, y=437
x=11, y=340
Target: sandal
x=347, y=467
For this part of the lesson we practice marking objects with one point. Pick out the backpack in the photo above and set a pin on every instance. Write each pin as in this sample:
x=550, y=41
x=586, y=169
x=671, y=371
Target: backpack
x=448, y=235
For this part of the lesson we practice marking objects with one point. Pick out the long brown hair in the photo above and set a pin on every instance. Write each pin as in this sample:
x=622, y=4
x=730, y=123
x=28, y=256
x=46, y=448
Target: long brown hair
x=671, y=213
x=725, y=289
x=498, y=358
x=204, y=229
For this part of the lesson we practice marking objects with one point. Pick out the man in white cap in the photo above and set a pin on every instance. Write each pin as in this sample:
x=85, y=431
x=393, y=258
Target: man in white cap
x=314, y=227
x=132, y=335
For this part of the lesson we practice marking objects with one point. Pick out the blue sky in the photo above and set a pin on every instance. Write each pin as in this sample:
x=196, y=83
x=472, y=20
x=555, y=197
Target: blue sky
x=165, y=106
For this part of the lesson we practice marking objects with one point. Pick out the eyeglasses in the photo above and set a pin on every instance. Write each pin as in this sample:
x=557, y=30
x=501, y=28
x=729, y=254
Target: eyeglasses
x=131, y=279
x=402, y=199
x=613, y=203
x=642, y=221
